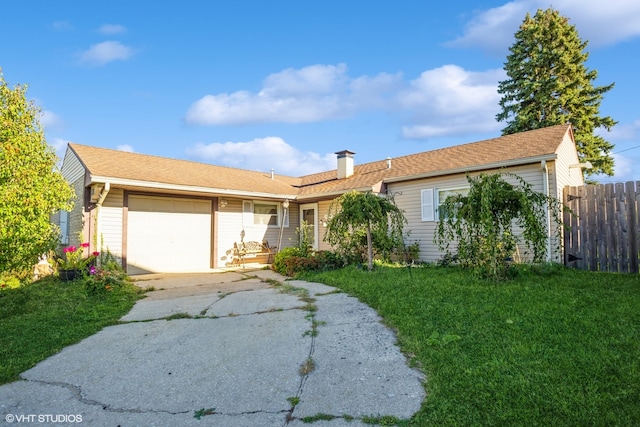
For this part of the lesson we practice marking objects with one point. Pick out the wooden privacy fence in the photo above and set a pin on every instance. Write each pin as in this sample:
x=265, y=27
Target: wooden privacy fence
x=604, y=232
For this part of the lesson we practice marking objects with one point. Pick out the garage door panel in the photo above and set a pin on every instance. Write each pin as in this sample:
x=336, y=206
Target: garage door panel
x=168, y=235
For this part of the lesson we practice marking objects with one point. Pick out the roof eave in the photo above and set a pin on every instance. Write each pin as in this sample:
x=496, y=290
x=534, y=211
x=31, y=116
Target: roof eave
x=331, y=194
x=487, y=166
x=187, y=188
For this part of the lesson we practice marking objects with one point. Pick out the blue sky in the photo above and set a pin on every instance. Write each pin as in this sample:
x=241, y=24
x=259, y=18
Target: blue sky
x=286, y=84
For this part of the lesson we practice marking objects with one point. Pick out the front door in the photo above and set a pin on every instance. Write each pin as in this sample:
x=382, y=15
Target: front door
x=309, y=216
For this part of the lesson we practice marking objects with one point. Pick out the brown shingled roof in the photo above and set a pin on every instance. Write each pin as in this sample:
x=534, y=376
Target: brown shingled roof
x=523, y=145
x=139, y=167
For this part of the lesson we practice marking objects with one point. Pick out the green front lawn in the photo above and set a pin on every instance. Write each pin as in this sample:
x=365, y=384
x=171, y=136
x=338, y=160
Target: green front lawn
x=42, y=318
x=553, y=347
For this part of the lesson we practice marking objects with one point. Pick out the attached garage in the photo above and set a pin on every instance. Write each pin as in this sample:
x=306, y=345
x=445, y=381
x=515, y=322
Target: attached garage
x=166, y=234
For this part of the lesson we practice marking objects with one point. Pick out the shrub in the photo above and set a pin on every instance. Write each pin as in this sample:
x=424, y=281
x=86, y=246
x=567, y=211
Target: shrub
x=482, y=223
x=280, y=260
x=296, y=265
x=328, y=260
x=105, y=274
x=8, y=282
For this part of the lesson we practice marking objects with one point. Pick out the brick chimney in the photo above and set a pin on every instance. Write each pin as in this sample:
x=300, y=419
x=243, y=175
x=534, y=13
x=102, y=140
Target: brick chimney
x=345, y=164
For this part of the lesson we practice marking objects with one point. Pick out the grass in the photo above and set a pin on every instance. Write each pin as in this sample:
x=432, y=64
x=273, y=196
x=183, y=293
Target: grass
x=42, y=318
x=551, y=347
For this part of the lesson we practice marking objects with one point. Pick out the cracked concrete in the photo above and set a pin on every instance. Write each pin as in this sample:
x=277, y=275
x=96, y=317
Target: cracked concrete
x=239, y=357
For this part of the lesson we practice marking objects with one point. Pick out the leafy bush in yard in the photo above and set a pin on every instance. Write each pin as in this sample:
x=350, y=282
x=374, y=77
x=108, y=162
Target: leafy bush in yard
x=328, y=260
x=481, y=224
x=297, y=264
x=291, y=262
x=280, y=260
x=363, y=223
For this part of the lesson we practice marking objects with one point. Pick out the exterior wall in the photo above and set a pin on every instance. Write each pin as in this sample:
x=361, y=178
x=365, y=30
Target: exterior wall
x=289, y=234
x=323, y=214
x=408, y=198
x=567, y=155
x=562, y=176
x=110, y=229
x=73, y=171
x=231, y=228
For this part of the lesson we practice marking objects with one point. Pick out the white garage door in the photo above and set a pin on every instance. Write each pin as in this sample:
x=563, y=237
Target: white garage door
x=168, y=235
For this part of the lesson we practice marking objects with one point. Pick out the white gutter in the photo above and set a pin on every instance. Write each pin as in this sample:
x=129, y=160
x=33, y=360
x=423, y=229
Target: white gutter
x=315, y=196
x=188, y=188
x=103, y=196
x=497, y=165
x=545, y=185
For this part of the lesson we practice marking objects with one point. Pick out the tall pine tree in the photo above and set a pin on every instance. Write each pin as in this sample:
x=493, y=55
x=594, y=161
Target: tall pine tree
x=549, y=84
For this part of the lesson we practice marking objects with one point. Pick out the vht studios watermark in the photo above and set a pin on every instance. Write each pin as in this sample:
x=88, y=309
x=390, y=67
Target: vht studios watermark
x=43, y=418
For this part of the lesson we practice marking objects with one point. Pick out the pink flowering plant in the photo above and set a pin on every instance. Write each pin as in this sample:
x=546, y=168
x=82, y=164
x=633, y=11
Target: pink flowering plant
x=73, y=258
x=105, y=274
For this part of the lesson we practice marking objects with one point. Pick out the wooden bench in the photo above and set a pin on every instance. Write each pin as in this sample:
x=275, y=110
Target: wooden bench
x=254, y=251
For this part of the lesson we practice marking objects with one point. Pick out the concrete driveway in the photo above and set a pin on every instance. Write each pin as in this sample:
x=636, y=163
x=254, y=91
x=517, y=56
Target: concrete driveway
x=228, y=349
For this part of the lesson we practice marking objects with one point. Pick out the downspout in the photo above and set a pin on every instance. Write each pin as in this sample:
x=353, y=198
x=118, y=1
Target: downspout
x=545, y=185
x=103, y=196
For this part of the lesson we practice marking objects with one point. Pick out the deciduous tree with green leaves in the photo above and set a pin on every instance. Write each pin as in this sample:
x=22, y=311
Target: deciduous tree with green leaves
x=549, y=84
x=355, y=215
x=31, y=189
x=481, y=224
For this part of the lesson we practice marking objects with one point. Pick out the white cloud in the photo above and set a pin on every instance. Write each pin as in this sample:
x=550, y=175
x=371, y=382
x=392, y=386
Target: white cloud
x=493, y=29
x=49, y=119
x=263, y=154
x=59, y=145
x=309, y=94
x=626, y=153
x=451, y=101
x=110, y=29
x=457, y=100
x=62, y=26
x=624, y=169
x=599, y=23
x=125, y=147
x=105, y=52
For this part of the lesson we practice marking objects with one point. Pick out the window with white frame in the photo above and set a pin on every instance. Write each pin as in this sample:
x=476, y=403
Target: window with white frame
x=433, y=198
x=443, y=193
x=259, y=212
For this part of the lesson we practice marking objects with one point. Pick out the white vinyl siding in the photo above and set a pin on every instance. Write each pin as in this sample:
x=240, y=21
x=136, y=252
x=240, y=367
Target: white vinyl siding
x=235, y=223
x=73, y=171
x=71, y=168
x=110, y=217
x=409, y=196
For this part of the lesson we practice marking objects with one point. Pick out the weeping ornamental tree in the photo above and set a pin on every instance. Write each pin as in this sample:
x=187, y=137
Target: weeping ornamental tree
x=549, y=84
x=30, y=187
x=481, y=224
x=364, y=221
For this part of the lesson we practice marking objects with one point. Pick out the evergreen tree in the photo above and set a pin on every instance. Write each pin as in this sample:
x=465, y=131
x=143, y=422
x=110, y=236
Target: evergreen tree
x=30, y=187
x=549, y=84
